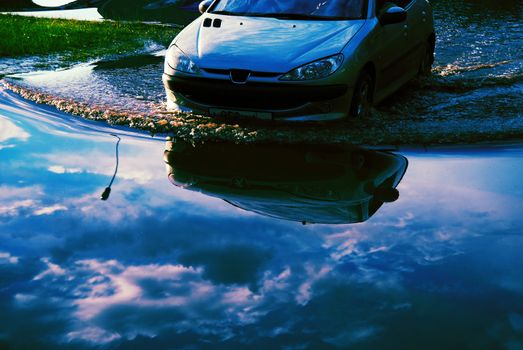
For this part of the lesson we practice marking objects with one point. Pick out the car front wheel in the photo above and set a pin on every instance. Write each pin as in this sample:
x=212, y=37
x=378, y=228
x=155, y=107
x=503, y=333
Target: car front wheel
x=362, y=97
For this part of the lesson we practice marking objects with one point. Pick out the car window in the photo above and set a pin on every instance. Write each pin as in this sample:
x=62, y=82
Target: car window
x=328, y=9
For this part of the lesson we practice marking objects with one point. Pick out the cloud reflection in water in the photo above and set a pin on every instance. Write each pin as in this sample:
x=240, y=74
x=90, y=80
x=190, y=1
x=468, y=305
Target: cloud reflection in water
x=162, y=267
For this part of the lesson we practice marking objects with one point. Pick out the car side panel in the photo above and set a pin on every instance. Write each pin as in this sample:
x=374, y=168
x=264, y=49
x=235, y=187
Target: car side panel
x=385, y=47
x=393, y=49
x=397, y=49
x=417, y=34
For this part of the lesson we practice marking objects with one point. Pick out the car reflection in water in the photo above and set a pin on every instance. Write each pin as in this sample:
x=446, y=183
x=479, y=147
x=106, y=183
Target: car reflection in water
x=309, y=184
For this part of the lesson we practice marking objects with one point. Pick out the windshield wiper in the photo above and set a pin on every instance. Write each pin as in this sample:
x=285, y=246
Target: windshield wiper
x=296, y=16
x=229, y=13
x=299, y=16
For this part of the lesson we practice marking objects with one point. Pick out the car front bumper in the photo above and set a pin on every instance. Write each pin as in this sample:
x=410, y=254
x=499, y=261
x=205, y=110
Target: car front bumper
x=263, y=100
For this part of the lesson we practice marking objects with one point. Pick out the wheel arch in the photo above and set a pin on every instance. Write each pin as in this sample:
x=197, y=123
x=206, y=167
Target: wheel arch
x=370, y=67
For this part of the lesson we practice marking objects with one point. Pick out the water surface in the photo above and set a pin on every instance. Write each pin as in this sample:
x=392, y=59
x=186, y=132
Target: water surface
x=167, y=267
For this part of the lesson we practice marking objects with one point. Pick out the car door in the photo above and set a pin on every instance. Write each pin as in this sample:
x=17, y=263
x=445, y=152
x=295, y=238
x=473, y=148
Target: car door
x=414, y=34
x=390, y=43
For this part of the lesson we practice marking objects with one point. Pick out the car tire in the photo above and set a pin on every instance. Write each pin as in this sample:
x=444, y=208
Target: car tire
x=362, y=97
x=425, y=66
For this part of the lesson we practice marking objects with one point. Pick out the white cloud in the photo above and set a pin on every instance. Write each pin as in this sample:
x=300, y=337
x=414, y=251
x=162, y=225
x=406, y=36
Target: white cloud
x=120, y=286
x=9, y=131
x=18, y=193
x=52, y=270
x=16, y=200
x=7, y=258
x=21, y=298
x=100, y=286
x=13, y=208
x=314, y=274
x=58, y=169
x=139, y=168
x=279, y=282
x=49, y=210
x=93, y=335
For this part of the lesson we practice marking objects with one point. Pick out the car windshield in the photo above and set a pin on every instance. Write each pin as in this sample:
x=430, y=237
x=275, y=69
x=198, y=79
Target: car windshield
x=293, y=9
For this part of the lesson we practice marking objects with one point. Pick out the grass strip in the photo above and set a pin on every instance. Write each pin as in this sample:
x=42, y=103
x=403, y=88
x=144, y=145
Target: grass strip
x=76, y=40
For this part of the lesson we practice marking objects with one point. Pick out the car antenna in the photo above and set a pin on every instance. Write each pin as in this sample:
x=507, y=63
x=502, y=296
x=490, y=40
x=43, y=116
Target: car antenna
x=107, y=191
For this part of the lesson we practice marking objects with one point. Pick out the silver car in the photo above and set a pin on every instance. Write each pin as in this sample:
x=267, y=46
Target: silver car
x=302, y=60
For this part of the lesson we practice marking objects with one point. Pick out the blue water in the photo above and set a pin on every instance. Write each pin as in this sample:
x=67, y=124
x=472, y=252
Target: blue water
x=165, y=267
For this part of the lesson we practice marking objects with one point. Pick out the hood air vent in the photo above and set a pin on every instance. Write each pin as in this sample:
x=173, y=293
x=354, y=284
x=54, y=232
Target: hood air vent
x=216, y=23
x=207, y=22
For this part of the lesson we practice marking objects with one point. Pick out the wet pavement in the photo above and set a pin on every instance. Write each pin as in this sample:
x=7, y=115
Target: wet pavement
x=206, y=247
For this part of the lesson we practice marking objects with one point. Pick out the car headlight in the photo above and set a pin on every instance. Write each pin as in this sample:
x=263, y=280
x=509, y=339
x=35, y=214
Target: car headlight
x=177, y=60
x=315, y=70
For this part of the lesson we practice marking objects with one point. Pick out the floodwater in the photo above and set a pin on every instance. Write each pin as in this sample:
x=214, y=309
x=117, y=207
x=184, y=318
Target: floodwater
x=202, y=250
x=475, y=90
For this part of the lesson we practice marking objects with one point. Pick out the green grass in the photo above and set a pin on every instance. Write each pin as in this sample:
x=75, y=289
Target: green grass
x=76, y=40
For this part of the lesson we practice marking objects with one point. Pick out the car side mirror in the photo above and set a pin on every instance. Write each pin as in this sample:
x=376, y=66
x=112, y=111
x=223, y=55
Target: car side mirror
x=204, y=5
x=386, y=195
x=393, y=15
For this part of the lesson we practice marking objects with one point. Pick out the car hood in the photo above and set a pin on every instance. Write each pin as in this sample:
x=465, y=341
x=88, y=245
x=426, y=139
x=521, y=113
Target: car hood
x=263, y=44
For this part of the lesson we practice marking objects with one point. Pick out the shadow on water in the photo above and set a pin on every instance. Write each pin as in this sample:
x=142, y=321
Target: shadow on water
x=308, y=184
x=18, y=5
x=166, y=11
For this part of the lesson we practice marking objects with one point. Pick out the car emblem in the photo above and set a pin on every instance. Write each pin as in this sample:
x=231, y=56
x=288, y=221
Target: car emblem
x=239, y=76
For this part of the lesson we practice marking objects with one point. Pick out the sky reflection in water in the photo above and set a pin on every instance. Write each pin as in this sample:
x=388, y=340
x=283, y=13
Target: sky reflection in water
x=166, y=268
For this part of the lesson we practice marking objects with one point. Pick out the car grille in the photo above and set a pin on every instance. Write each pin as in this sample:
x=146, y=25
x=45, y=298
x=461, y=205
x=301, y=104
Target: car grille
x=265, y=96
x=226, y=72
